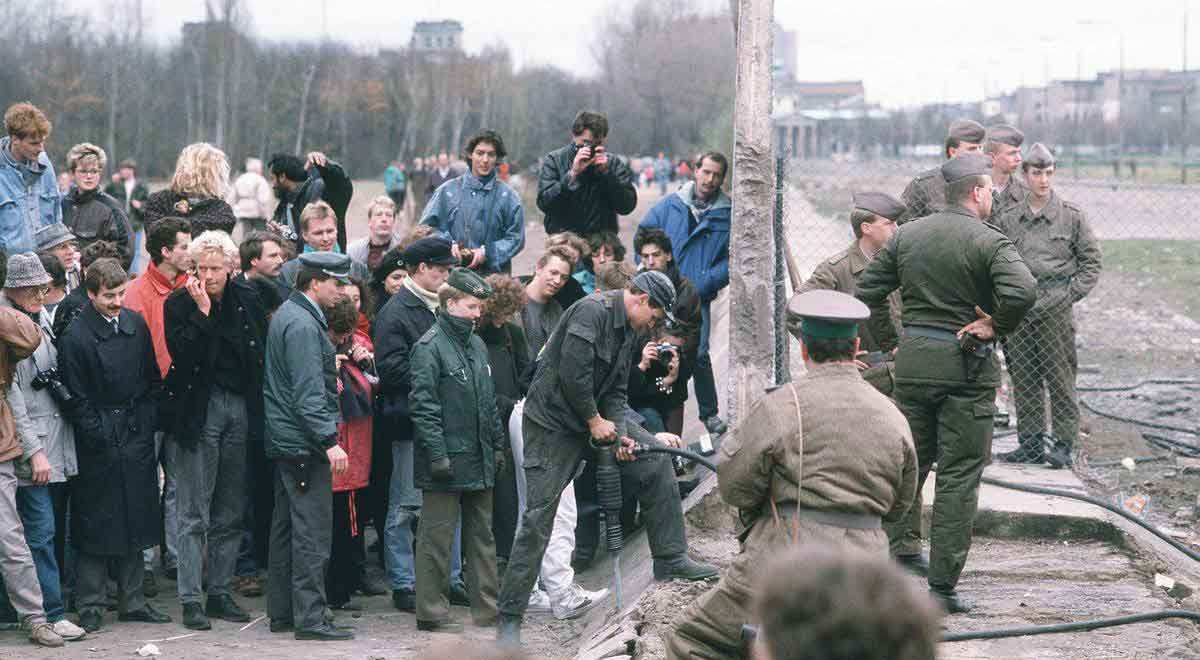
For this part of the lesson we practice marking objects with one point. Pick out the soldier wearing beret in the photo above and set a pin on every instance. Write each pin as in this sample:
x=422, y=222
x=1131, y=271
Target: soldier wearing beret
x=1056, y=242
x=800, y=469
x=927, y=192
x=459, y=441
x=301, y=409
x=962, y=284
x=1004, y=146
x=873, y=221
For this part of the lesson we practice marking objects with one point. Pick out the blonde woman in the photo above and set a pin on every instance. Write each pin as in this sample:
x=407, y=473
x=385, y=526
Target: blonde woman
x=197, y=191
x=89, y=214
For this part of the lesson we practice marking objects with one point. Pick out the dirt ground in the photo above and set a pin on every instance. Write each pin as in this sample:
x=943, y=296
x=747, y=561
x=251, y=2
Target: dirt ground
x=1013, y=582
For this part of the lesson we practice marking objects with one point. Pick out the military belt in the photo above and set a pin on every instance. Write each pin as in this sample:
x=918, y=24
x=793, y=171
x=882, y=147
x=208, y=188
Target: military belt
x=831, y=518
x=930, y=332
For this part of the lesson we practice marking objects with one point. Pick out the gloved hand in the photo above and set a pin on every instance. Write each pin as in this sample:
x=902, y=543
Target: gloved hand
x=440, y=469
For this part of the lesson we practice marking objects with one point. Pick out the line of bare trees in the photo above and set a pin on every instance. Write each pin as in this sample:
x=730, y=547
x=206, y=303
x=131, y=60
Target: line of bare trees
x=665, y=78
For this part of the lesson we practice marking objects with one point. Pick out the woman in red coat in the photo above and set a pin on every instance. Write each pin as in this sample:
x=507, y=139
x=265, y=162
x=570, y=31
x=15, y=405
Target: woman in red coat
x=355, y=356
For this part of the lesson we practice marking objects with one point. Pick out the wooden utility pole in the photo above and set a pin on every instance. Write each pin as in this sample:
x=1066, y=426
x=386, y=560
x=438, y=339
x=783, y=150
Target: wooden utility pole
x=751, y=251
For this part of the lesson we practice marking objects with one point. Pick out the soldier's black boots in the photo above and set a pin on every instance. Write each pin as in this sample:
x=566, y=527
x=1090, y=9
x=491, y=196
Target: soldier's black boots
x=917, y=564
x=194, y=618
x=682, y=567
x=951, y=601
x=1059, y=453
x=508, y=632
x=1030, y=451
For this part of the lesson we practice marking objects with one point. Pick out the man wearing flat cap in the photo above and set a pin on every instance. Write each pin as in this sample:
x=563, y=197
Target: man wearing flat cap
x=577, y=401
x=1057, y=243
x=459, y=441
x=962, y=284
x=1004, y=146
x=873, y=220
x=401, y=322
x=927, y=192
x=800, y=469
x=301, y=408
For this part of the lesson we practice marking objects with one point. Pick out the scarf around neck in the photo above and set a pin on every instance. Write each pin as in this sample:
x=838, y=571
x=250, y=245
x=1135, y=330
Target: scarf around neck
x=430, y=299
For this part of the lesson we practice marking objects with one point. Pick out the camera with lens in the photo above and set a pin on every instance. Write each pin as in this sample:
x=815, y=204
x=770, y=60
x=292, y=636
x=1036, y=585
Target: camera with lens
x=50, y=380
x=466, y=256
x=661, y=365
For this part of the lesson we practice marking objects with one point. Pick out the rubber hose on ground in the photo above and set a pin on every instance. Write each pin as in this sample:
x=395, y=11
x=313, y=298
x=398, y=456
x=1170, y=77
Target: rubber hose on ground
x=1074, y=626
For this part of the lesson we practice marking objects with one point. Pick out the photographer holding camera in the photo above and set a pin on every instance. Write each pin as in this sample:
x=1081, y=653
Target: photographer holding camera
x=581, y=187
x=480, y=214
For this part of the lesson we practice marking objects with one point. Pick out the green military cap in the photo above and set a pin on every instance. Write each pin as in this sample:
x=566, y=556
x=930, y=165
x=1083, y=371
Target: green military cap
x=1005, y=134
x=828, y=314
x=881, y=204
x=1039, y=156
x=971, y=164
x=966, y=130
x=469, y=282
x=333, y=264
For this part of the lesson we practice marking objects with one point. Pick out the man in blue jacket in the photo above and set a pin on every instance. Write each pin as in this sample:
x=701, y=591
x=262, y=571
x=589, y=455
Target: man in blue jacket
x=696, y=219
x=29, y=195
x=477, y=212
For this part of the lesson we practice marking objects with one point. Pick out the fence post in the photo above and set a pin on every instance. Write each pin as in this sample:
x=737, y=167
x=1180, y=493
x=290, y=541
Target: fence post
x=782, y=358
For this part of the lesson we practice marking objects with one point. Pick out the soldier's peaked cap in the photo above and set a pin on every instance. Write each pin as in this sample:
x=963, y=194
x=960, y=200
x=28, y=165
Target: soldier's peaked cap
x=1039, y=156
x=333, y=264
x=828, y=314
x=966, y=130
x=1005, y=134
x=971, y=164
x=880, y=204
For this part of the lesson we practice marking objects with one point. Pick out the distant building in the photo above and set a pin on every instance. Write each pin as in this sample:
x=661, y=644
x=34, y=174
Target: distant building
x=435, y=36
x=784, y=65
x=819, y=119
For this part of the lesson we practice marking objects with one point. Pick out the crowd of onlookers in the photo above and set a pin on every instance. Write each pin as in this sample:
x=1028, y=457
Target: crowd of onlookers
x=232, y=414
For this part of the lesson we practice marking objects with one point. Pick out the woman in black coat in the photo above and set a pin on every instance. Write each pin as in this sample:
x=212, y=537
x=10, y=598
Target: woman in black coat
x=114, y=380
x=197, y=191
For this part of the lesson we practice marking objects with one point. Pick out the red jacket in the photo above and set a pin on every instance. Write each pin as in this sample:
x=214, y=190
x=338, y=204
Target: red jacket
x=146, y=295
x=355, y=394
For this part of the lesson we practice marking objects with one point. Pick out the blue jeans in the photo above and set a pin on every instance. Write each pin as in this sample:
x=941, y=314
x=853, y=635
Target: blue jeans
x=37, y=515
x=702, y=375
x=404, y=509
x=652, y=420
x=139, y=262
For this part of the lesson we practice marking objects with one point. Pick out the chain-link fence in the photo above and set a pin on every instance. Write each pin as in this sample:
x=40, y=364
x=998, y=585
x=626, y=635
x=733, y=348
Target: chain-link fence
x=1083, y=348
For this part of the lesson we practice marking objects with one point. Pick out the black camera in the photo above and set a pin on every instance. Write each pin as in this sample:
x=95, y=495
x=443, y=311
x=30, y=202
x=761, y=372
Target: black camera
x=466, y=256
x=662, y=364
x=51, y=381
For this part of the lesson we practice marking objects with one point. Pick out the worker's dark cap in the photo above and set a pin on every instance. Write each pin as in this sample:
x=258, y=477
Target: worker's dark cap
x=881, y=204
x=828, y=314
x=964, y=165
x=430, y=250
x=333, y=264
x=660, y=289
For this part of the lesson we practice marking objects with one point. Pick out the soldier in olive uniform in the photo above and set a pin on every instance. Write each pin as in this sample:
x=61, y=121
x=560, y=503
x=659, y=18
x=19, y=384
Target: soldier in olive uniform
x=1008, y=190
x=1056, y=242
x=799, y=468
x=459, y=440
x=957, y=276
x=926, y=193
x=873, y=220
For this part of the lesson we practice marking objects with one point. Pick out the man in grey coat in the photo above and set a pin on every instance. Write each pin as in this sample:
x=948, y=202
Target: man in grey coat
x=301, y=409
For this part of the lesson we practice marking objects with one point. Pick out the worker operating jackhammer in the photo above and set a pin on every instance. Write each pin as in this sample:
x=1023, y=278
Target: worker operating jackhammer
x=577, y=402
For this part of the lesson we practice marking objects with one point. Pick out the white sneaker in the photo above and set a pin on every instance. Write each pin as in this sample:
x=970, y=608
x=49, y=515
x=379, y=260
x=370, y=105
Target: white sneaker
x=539, y=602
x=68, y=630
x=575, y=602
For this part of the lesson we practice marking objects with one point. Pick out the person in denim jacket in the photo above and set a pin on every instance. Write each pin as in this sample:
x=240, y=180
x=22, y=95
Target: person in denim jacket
x=29, y=195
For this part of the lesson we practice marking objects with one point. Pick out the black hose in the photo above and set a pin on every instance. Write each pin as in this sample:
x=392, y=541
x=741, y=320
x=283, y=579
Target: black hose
x=1074, y=626
x=691, y=456
x=1173, y=445
x=1126, y=388
x=1139, y=422
x=1040, y=490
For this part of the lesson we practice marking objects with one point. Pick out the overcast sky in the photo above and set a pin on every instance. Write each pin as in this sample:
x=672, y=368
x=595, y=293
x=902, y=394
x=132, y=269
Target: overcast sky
x=906, y=53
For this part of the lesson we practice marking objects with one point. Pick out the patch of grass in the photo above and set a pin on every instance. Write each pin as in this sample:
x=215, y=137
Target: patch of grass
x=1171, y=268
